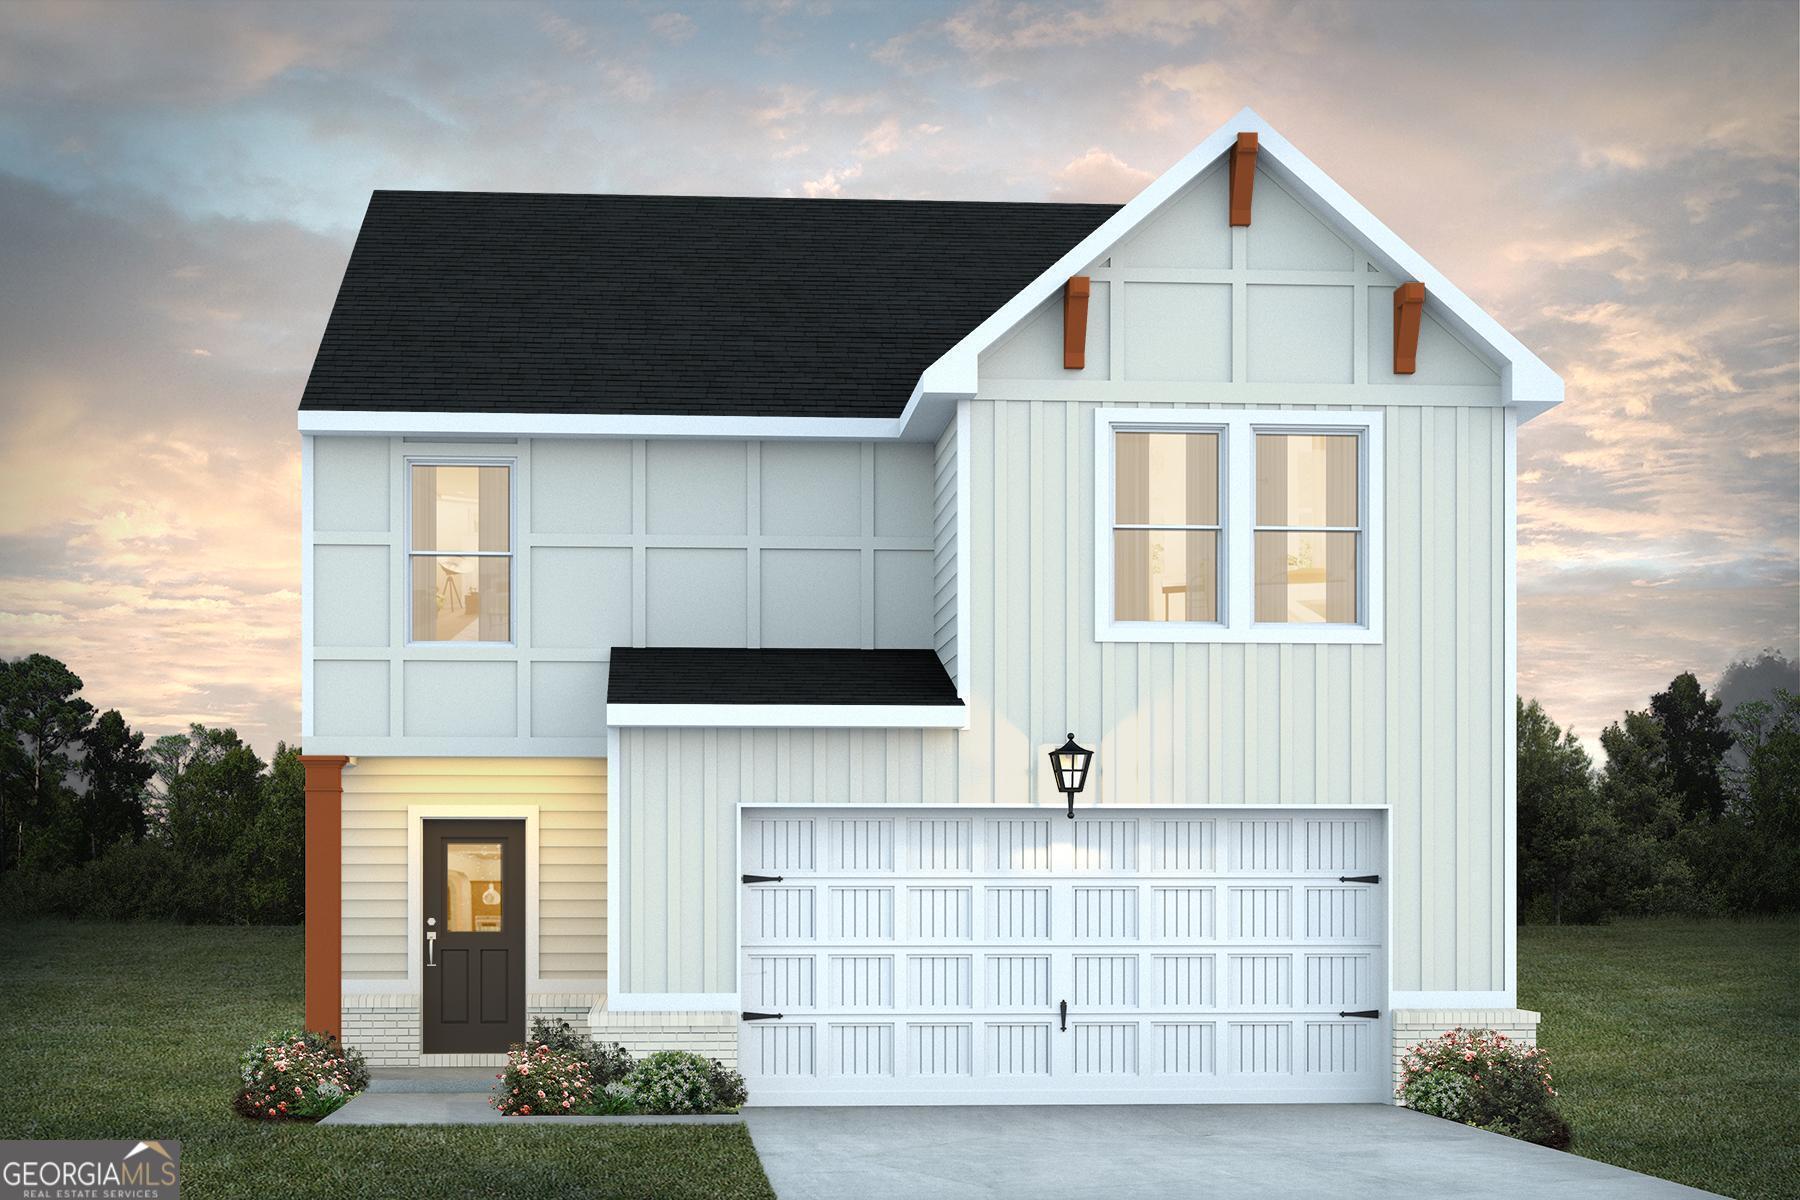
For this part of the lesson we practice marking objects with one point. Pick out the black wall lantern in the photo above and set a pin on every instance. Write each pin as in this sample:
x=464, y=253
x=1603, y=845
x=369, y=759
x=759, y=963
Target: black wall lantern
x=1070, y=762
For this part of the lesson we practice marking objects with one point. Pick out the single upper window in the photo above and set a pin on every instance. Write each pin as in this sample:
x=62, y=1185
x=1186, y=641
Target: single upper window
x=461, y=552
x=1166, y=527
x=1242, y=525
x=1308, y=527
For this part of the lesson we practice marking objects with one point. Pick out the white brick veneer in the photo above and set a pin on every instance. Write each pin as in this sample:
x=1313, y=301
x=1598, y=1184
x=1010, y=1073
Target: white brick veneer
x=713, y=1034
x=385, y=1027
x=1415, y=1025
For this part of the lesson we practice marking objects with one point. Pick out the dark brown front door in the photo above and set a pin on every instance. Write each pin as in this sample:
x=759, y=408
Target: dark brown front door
x=474, y=936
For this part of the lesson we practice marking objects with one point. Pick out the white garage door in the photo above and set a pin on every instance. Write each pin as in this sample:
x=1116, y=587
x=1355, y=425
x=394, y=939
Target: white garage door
x=919, y=956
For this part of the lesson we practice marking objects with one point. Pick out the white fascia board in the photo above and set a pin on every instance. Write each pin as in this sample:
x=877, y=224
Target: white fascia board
x=1526, y=382
x=789, y=716
x=618, y=425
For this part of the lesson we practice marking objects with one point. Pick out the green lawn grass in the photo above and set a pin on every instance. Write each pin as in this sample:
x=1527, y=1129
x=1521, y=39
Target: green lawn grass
x=133, y=1031
x=1676, y=1045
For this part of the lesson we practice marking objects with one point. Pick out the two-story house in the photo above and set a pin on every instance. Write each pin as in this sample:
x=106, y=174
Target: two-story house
x=696, y=588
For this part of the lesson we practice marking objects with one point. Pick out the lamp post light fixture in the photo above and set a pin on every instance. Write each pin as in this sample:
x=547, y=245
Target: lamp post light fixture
x=1070, y=762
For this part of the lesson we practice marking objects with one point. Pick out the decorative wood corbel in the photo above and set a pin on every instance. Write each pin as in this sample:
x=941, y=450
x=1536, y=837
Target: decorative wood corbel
x=1075, y=305
x=1409, y=306
x=1243, y=177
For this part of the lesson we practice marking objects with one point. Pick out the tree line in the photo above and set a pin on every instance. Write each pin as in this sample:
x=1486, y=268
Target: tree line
x=93, y=822
x=1695, y=810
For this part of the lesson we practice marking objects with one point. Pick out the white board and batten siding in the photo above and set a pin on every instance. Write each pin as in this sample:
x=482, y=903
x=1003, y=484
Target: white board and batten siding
x=1285, y=314
x=618, y=542
x=385, y=799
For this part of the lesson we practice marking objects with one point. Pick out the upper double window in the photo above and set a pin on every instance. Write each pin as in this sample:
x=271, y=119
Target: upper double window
x=460, y=552
x=1237, y=526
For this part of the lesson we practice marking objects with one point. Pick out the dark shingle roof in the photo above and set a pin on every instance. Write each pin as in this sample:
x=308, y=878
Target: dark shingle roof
x=689, y=675
x=504, y=302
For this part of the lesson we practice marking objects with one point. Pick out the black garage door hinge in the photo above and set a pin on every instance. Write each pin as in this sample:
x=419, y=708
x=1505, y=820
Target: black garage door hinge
x=753, y=1016
x=762, y=879
x=1368, y=1014
x=1359, y=879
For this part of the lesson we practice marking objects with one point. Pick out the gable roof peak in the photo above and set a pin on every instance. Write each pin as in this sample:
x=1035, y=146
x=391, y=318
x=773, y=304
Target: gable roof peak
x=1526, y=382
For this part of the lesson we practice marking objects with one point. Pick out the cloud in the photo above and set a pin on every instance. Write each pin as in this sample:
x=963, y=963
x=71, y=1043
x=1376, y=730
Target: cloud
x=672, y=27
x=1099, y=175
x=831, y=183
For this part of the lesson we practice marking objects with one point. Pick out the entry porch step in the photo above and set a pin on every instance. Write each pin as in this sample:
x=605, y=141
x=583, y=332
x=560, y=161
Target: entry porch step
x=432, y=1079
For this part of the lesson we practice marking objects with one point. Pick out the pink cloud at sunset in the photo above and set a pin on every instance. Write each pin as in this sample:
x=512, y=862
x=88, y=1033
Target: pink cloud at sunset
x=180, y=185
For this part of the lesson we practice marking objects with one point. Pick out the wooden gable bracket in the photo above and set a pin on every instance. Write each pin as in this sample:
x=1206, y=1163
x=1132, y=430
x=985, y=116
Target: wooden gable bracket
x=1243, y=177
x=1409, y=306
x=1075, y=304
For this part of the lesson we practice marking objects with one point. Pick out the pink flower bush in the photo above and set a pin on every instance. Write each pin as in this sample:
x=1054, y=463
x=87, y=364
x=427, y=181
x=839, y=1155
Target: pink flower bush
x=561, y=1080
x=321, y=1075
x=1482, y=1078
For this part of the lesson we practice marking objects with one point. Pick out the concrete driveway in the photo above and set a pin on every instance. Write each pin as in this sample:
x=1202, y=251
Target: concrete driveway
x=1325, y=1151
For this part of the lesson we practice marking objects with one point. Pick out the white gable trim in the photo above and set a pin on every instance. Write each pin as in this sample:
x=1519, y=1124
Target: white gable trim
x=1525, y=381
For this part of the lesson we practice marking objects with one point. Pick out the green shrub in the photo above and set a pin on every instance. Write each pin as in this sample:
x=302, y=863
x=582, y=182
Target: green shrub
x=672, y=1081
x=298, y=1076
x=1482, y=1078
x=727, y=1086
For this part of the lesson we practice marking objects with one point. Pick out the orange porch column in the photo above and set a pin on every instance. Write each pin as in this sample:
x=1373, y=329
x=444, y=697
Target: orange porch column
x=324, y=891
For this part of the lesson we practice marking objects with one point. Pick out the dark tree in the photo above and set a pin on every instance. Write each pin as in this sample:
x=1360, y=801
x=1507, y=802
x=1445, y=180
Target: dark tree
x=1566, y=836
x=1695, y=740
x=212, y=802
x=117, y=772
x=44, y=716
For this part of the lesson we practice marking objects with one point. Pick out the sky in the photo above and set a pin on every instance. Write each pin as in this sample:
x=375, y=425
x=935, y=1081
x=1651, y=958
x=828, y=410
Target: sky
x=180, y=186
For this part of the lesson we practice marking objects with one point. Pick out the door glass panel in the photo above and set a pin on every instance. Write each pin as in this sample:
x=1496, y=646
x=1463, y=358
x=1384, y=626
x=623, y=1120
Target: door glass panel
x=474, y=891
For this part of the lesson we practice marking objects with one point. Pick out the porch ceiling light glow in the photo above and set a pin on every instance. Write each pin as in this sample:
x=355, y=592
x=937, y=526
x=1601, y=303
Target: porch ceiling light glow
x=1070, y=762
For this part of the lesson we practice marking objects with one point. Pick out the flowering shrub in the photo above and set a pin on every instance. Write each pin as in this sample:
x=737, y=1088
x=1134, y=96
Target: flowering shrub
x=298, y=1076
x=1482, y=1078
x=672, y=1081
x=607, y=1062
x=540, y=1081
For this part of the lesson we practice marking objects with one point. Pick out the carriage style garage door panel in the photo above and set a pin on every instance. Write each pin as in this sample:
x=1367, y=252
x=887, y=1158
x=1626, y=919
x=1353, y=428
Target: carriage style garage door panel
x=926, y=955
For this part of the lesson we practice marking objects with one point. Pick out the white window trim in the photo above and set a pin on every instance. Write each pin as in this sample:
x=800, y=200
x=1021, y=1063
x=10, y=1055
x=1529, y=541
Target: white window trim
x=408, y=551
x=1237, y=472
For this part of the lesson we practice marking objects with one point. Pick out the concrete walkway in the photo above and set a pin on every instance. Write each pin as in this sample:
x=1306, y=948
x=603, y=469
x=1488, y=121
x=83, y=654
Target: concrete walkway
x=459, y=1096
x=1340, y=1151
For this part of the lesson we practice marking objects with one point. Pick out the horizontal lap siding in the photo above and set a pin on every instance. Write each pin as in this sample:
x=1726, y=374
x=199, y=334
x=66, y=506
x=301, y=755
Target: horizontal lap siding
x=570, y=795
x=1417, y=722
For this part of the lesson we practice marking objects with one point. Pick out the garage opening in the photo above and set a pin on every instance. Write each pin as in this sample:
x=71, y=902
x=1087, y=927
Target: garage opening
x=995, y=956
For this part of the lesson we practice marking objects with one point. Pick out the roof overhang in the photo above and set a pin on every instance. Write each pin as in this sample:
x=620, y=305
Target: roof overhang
x=1526, y=383
x=615, y=425
x=788, y=716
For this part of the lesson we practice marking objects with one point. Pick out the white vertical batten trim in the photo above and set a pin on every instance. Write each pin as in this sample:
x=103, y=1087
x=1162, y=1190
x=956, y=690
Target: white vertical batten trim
x=615, y=930
x=1509, y=756
x=306, y=588
x=964, y=515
